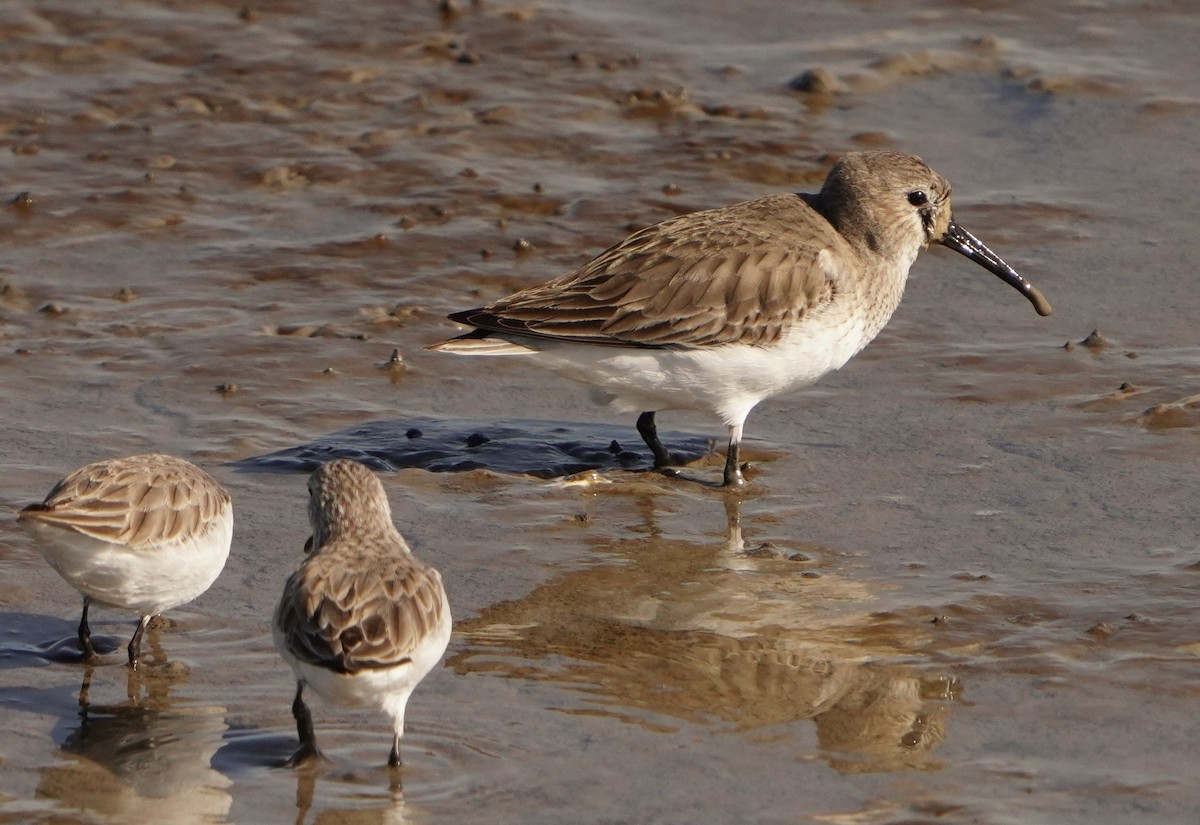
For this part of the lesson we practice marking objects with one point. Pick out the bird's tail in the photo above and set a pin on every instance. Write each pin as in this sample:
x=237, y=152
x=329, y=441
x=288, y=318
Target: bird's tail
x=474, y=344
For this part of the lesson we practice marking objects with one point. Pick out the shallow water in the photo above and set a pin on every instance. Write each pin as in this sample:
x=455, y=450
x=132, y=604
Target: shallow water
x=962, y=586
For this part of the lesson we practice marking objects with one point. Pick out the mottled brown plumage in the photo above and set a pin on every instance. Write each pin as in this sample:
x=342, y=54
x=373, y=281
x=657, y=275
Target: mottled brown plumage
x=362, y=620
x=139, y=501
x=717, y=310
x=353, y=611
x=144, y=532
x=741, y=274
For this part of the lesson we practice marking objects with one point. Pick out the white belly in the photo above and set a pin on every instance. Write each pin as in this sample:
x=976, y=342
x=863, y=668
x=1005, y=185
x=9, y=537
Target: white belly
x=148, y=579
x=728, y=380
x=385, y=688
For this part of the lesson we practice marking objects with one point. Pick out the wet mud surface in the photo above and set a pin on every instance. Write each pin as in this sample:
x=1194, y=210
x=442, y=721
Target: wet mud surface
x=543, y=449
x=962, y=585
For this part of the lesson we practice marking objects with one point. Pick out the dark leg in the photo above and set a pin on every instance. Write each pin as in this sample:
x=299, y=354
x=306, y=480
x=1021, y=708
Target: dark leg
x=649, y=432
x=135, y=644
x=394, y=756
x=733, y=469
x=397, y=732
x=85, y=633
x=304, y=729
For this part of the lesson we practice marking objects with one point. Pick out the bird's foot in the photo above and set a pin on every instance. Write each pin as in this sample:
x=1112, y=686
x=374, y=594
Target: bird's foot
x=733, y=478
x=306, y=754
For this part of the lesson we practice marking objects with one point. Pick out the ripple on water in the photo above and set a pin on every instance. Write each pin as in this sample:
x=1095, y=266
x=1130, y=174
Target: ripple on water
x=443, y=764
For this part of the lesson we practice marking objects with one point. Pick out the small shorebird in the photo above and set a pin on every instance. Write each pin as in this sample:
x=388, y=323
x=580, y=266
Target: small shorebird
x=717, y=310
x=362, y=620
x=146, y=533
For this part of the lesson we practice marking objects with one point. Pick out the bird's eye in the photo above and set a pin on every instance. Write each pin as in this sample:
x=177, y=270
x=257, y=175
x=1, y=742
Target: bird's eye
x=918, y=198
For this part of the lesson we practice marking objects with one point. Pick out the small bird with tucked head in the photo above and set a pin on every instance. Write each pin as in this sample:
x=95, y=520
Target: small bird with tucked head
x=362, y=621
x=146, y=533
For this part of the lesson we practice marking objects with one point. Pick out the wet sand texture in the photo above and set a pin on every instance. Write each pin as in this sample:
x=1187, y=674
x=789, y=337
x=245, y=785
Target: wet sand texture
x=962, y=586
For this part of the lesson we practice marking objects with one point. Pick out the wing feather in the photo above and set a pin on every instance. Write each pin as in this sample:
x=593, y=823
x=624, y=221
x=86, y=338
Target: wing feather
x=140, y=501
x=358, y=613
x=715, y=277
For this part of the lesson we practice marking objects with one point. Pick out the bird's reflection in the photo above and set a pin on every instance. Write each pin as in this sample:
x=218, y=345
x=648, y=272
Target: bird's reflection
x=390, y=811
x=146, y=759
x=719, y=634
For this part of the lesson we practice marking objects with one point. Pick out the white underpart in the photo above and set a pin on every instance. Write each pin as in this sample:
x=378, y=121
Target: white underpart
x=726, y=379
x=387, y=688
x=149, y=579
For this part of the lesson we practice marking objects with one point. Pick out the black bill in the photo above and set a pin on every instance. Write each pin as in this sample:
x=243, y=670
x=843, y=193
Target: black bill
x=960, y=240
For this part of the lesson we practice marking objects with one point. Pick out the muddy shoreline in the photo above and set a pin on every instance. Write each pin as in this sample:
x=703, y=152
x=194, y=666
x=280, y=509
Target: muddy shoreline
x=962, y=584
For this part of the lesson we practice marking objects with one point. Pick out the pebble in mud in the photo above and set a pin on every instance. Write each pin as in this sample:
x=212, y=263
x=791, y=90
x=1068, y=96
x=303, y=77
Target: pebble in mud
x=815, y=81
x=603, y=62
x=766, y=550
x=1179, y=415
x=395, y=366
x=1093, y=341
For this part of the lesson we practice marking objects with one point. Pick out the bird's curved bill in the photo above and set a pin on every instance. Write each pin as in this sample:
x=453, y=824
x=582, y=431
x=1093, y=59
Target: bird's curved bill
x=962, y=241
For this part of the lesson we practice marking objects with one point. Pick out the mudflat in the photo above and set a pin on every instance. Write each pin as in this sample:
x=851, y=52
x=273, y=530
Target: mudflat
x=961, y=584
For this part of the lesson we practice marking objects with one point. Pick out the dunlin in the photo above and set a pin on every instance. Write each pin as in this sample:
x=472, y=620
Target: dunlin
x=362, y=620
x=717, y=310
x=145, y=533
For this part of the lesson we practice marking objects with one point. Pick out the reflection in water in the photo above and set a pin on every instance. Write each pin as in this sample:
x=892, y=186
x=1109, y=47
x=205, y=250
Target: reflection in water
x=708, y=635
x=143, y=760
x=391, y=813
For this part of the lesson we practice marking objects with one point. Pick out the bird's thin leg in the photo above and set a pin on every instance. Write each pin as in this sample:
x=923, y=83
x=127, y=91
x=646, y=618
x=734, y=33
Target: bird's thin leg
x=304, y=729
x=394, y=756
x=85, y=633
x=135, y=644
x=649, y=432
x=398, y=726
x=733, y=469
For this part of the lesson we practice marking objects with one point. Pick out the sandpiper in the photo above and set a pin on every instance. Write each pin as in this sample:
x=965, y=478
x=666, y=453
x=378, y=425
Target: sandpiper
x=362, y=620
x=145, y=533
x=717, y=310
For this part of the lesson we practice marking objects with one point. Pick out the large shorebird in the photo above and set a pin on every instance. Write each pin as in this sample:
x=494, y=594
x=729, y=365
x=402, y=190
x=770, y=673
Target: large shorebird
x=717, y=310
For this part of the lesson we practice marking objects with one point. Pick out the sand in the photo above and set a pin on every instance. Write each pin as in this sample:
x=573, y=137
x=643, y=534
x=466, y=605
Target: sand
x=961, y=587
